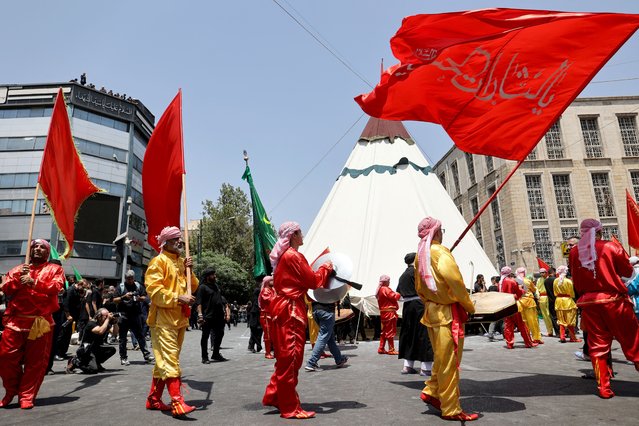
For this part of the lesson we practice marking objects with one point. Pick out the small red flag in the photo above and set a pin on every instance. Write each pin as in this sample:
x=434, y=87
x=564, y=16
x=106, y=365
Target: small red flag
x=495, y=79
x=63, y=179
x=162, y=172
x=542, y=264
x=633, y=221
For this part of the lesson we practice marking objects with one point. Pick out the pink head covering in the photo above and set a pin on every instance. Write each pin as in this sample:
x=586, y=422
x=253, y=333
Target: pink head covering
x=586, y=244
x=505, y=271
x=521, y=272
x=426, y=229
x=286, y=230
x=561, y=271
x=168, y=233
x=543, y=270
x=45, y=243
x=384, y=280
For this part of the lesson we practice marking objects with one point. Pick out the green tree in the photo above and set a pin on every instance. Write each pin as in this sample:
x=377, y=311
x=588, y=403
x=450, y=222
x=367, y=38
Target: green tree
x=234, y=280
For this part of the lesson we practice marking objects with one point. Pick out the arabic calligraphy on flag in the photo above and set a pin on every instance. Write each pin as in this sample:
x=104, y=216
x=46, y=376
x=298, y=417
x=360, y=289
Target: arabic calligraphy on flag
x=495, y=79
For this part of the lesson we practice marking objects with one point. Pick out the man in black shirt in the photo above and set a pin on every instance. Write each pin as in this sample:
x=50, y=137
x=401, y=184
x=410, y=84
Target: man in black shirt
x=72, y=307
x=549, y=284
x=129, y=297
x=92, y=352
x=213, y=312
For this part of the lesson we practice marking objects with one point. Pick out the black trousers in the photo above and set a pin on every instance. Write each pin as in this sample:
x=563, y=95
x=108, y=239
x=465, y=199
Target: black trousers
x=64, y=338
x=255, y=342
x=135, y=325
x=214, y=329
x=58, y=319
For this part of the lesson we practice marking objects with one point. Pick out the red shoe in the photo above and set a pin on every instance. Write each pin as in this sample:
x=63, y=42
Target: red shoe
x=431, y=400
x=154, y=400
x=6, y=400
x=509, y=346
x=463, y=417
x=325, y=355
x=532, y=345
x=26, y=404
x=269, y=356
x=301, y=414
x=179, y=408
x=576, y=340
x=392, y=352
x=381, y=351
x=539, y=342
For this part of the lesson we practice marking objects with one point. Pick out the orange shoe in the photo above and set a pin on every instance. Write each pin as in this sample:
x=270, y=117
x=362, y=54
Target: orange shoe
x=539, y=342
x=576, y=340
x=462, y=417
x=381, y=351
x=269, y=356
x=392, y=351
x=430, y=400
x=301, y=414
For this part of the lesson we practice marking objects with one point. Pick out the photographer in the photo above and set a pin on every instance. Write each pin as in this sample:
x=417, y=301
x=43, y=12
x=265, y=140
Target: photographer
x=111, y=306
x=129, y=296
x=92, y=351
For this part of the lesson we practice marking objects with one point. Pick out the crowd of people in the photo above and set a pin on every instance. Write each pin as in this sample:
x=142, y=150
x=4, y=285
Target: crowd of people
x=43, y=306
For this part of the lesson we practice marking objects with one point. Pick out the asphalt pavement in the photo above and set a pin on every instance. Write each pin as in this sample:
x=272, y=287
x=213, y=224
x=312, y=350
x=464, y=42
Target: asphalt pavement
x=521, y=386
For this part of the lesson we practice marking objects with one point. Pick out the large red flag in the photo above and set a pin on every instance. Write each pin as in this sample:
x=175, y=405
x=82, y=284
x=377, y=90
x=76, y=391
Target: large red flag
x=495, y=79
x=63, y=179
x=633, y=221
x=162, y=172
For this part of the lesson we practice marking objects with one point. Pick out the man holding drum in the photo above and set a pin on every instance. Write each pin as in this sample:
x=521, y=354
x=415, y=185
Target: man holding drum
x=446, y=303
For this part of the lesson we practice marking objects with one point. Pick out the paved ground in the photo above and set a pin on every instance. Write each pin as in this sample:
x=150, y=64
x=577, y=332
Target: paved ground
x=522, y=386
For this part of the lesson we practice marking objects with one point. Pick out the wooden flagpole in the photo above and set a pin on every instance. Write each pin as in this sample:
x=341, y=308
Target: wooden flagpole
x=30, y=237
x=186, y=235
x=487, y=203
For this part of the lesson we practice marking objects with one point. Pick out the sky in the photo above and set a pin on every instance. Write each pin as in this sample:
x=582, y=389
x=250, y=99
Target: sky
x=252, y=78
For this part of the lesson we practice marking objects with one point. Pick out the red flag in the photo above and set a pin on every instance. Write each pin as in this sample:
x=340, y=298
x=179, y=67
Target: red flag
x=162, y=172
x=614, y=239
x=63, y=179
x=495, y=79
x=633, y=221
x=542, y=264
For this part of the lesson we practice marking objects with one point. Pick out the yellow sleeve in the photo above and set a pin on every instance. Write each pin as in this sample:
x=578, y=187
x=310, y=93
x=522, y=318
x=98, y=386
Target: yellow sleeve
x=571, y=288
x=154, y=282
x=447, y=267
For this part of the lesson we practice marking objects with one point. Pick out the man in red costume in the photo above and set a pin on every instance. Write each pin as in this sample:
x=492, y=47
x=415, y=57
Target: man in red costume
x=388, y=306
x=267, y=293
x=509, y=285
x=292, y=278
x=606, y=311
x=32, y=297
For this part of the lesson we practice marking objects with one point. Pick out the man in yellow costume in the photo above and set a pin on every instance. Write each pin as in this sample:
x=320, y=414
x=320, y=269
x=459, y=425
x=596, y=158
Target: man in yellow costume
x=446, y=304
x=166, y=285
x=543, y=301
x=528, y=306
x=565, y=305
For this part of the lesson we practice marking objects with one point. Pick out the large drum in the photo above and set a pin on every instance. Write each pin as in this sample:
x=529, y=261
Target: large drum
x=335, y=290
x=492, y=306
x=344, y=315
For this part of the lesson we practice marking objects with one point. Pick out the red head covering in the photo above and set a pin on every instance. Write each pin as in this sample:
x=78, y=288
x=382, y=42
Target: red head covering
x=586, y=245
x=168, y=233
x=286, y=230
x=426, y=230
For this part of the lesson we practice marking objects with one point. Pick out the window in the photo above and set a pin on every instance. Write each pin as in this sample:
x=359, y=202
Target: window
x=543, y=245
x=455, y=173
x=18, y=180
x=13, y=248
x=25, y=112
x=554, y=146
x=634, y=178
x=138, y=223
x=535, y=197
x=137, y=164
x=471, y=168
x=24, y=143
x=563, y=196
x=603, y=196
x=474, y=207
x=100, y=119
x=137, y=197
x=494, y=206
x=608, y=231
x=490, y=166
x=532, y=155
x=461, y=209
x=628, y=129
x=501, y=253
x=112, y=188
x=592, y=139
x=99, y=150
x=569, y=232
x=21, y=207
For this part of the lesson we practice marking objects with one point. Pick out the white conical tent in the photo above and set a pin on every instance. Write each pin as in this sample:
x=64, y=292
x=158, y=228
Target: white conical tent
x=373, y=210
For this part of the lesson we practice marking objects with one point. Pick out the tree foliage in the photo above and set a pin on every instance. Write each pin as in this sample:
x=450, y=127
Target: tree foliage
x=227, y=240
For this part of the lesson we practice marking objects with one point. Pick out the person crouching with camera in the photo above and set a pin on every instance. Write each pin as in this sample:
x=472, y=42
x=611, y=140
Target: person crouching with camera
x=93, y=351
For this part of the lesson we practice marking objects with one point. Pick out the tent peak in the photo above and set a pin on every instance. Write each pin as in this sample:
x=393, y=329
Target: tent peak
x=377, y=129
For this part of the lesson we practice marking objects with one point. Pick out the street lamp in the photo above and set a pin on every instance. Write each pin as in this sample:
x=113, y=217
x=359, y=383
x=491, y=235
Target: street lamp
x=125, y=245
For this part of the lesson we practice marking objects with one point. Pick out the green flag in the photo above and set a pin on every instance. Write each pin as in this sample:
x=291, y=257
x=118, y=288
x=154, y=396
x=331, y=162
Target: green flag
x=264, y=236
x=54, y=253
x=78, y=277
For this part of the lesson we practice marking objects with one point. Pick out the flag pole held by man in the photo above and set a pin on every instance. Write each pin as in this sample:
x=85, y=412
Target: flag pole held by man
x=169, y=279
